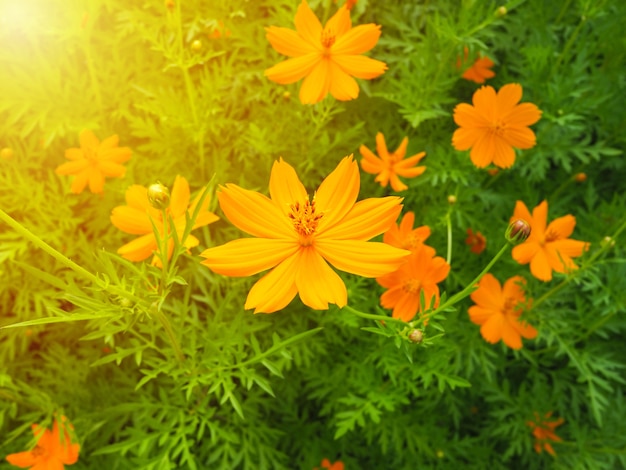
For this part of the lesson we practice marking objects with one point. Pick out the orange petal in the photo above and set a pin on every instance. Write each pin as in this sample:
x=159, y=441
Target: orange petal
x=179, y=200
x=508, y=97
x=80, y=182
x=248, y=256
x=72, y=168
x=522, y=115
x=396, y=184
x=292, y=70
x=367, y=259
x=484, y=101
x=464, y=138
x=285, y=187
x=109, y=143
x=381, y=147
x=504, y=155
x=562, y=227
x=357, y=40
x=337, y=194
x=254, y=213
x=406, y=306
x=519, y=137
x=410, y=161
x=23, y=459
x=276, y=289
x=117, y=155
x=367, y=219
x=540, y=267
x=480, y=315
x=318, y=285
x=466, y=115
x=489, y=293
x=510, y=335
x=288, y=42
x=131, y=220
x=522, y=212
x=307, y=24
x=525, y=252
x=540, y=218
x=111, y=169
x=96, y=181
x=410, y=172
x=491, y=330
x=558, y=261
x=74, y=154
x=342, y=86
x=340, y=22
x=571, y=248
x=360, y=66
x=524, y=329
x=483, y=151
x=88, y=140
x=139, y=249
x=514, y=288
x=316, y=85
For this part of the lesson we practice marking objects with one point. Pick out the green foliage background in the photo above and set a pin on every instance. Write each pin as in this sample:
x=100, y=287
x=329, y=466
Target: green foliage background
x=288, y=389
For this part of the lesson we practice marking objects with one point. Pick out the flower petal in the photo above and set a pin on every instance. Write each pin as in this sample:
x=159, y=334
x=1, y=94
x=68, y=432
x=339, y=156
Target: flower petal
x=483, y=151
x=525, y=252
x=491, y=330
x=540, y=266
x=519, y=137
x=522, y=115
x=465, y=138
x=131, y=220
x=480, y=315
x=139, y=249
x=337, y=194
x=292, y=70
x=357, y=40
x=485, y=102
x=179, y=200
x=254, y=213
x=88, y=140
x=111, y=169
x=406, y=307
x=316, y=85
x=96, y=181
x=504, y=155
x=469, y=117
x=540, y=218
x=80, y=182
x=360, y=66
x=248, y=256
x=367, y=259
x=276, y=289
x=489, y=293
x=561, y=227
x=507, y=98
x=72, y=168
x=285, y=187
x=307, y=24
x=288, y=42
x=366, y=219
x=318, y=285
x=342, y=86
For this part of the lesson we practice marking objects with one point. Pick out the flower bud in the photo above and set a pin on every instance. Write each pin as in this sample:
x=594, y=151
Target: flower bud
x=607, y=241
x=580, y=177
x=6, y=153
x=518, y=231
x=501, y=11
x=286, y=96
x=158, y=196
x=416, y=336
x=196, y=45
x=451, y=199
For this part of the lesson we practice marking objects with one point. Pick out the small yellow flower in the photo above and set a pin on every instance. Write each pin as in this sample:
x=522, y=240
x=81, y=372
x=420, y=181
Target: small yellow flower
x=94, y=161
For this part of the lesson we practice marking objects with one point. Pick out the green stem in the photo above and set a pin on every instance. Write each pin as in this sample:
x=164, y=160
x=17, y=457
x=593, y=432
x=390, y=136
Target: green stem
x=370, y=316
x=164, y=249
x=570, y=43
x=64, y=260
x=167, y=326
x=449, y=224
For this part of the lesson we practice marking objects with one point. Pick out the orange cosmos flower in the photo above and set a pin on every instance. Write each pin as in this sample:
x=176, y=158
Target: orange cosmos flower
x=138, y=215
x=495, y=125
x=548, y=248
x=298, y=237
x=406, y=237
x=498, y=309
x=328, y=57
x=420, y=273
x=52, y=451
x=543, y=431
x=94, y=161
x=476, y=241
x=391, y=165
x=338, y=465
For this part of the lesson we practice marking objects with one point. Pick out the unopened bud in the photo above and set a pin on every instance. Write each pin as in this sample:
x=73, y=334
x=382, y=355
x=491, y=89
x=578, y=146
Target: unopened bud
x=286, y=96
x=196, y=45
x=607, y=241
x=501, y=11
x=158, y=196
x=6, y=153
x=451, y=199
x=580, y=177
x=416, y=336
x=518, y=231
x=440, y=454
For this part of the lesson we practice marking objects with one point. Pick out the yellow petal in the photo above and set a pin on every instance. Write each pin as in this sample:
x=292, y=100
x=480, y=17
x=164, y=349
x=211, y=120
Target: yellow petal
x=292, y=70
x=360, y=66
x=109, y=143
x=367, y=259
x=248, y=256
x=318, y=285
x=367, y=219
x=117, y=155
x=131, y=220
x=357, y=40
x=342, y=86
x=139, y=249
x=74, y=154
x=340, y=23
x=307, y=24
x=73, y=167
x=337, y=194
x=179, y=200
x=276, y=289
x=88, y=140
x=80, y=181
x=111, y=169
x=288, y=42
x=96, y=181
x=254, y=213
x=285, y=187
x=316, y=85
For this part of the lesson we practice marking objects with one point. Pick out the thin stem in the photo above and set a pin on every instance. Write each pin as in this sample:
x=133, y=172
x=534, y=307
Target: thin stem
x=167, y=326
x=569, y=43
x=371, y=316
x=64, y=260
x=449, y=224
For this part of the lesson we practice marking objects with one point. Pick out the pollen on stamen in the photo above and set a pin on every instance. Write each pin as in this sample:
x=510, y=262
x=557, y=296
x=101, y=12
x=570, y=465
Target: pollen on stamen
x=328, y=38
x=412, y=286
x=305, y=220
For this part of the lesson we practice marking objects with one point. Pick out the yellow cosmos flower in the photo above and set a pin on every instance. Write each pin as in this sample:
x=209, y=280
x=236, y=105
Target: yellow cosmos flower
x=138, y=215
x=94, y=161
x=297, y=238
x=390, y=165
x=329, y=57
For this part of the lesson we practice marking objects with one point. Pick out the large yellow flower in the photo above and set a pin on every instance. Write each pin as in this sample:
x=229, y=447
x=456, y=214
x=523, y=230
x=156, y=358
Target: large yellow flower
x=138, y=215
x=298, y=237
x=94, y=161
x=328, y=57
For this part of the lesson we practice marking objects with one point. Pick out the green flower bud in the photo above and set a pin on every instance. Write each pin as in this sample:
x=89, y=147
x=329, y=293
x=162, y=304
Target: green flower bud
x=158, y=196
x=518, y=231
x=416, y=336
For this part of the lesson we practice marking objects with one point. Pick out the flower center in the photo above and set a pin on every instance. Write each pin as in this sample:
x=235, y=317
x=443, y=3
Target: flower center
x=412, y=286
x=328, y=38
x=411, y=242
x=497, y=127
x=394, y=158
x=551, y=236
x=39, y=453
x=305, y=221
